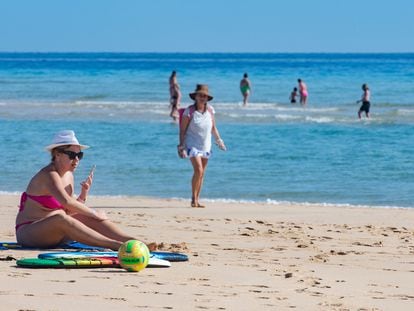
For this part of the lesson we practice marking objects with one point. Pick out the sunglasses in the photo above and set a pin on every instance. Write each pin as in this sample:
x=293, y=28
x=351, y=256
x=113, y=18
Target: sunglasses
x=72, y=155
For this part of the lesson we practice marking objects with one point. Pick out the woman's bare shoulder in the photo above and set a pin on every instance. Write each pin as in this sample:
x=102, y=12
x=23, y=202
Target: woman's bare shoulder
x=43, y=177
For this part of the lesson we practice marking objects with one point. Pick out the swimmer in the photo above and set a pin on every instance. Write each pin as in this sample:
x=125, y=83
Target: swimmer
x=293, y=95
x=245, y=88
x=175, y=96
x=365, y=101
x=303, y=92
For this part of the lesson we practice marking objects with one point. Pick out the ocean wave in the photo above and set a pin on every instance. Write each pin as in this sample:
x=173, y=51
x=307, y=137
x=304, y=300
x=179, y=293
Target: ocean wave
x=269, y=202
x=292, y=203
x=9, y=192
x=405, y=111
x=319, y=119
x=286, y=117
x=96, y=108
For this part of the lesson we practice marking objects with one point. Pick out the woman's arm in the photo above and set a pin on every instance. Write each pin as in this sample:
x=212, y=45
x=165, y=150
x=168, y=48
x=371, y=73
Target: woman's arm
x=216, y=134
x=55, y=187
x=183, y=129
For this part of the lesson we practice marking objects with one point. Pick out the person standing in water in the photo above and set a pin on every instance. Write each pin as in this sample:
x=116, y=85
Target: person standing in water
x=293, y=95
x=365, y=101
x=175, y=95
x=303, y=92
x=245, y=88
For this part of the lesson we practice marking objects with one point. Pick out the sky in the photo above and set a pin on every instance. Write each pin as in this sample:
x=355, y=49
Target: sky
x=209, y=26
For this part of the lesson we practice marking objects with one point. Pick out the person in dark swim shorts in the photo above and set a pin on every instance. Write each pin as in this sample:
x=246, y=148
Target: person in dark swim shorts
x=365, y=101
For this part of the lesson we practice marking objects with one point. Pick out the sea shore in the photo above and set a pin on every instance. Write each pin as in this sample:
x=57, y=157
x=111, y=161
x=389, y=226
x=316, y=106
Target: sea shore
x=243, y=256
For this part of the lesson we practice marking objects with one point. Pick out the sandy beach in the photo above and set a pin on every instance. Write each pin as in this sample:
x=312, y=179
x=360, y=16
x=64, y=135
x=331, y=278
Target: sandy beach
x=242, y=257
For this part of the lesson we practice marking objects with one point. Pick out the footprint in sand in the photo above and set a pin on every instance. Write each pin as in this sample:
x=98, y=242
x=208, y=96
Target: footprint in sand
x=404, y=297
x=319, y=258
x=63, y=281
x=172, y=247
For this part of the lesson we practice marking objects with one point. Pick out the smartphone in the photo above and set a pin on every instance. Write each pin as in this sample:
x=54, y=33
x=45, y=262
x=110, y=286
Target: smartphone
x=92, y=169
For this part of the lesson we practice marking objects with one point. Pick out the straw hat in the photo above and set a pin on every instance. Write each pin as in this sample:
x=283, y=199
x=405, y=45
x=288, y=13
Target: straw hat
x=63, y=138
x=201, y=89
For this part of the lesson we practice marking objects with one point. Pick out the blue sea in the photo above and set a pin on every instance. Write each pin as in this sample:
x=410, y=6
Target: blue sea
x=277, y=152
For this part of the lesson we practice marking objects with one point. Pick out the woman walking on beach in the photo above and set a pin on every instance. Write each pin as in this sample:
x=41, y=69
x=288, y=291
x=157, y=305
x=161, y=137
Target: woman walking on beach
x=197, y=125
x=303, y=92
x=175, y=95
x=49, y=214
x=365, y=101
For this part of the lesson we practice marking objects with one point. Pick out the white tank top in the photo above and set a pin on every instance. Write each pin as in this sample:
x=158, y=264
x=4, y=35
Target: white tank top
x=198, y=133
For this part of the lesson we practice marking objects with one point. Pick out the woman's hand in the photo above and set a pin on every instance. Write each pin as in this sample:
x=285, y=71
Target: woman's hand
x=181, y=151
x=86, y=185
x=220, y=144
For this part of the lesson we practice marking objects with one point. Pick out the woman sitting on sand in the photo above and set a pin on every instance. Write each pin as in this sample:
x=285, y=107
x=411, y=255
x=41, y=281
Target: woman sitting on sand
x=49, y=214
x=197, y=125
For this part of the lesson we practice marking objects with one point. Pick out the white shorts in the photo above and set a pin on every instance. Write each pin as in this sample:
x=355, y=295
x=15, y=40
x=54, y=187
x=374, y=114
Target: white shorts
x=194, y=152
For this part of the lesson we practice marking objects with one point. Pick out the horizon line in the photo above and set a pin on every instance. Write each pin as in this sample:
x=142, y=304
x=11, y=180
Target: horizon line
x=190, y=52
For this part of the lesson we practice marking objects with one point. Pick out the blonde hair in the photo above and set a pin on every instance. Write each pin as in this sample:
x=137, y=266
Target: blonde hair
x=56, y=150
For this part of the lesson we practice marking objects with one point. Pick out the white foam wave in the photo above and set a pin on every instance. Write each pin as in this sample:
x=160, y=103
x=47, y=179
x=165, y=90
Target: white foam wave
x=309, y=110
x=319, y=119
x=293, y=203
x=159, y=110
x=286, y=117
x=270, y=202
x=9, y=193
x=405, y=111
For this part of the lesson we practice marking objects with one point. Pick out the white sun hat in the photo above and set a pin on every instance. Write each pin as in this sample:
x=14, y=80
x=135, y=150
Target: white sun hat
x=63, y=138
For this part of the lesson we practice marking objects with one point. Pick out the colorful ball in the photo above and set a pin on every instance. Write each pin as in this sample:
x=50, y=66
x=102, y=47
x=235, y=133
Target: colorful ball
x=133, y=255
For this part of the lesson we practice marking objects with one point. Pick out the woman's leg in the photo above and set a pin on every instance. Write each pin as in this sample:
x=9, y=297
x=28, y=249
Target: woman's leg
x=245, y=98
x=173, y=105
x=199, y=166
x=196, y=180
x=109, y=229
x=106, y=228
x=204, y=163
x=59, y=227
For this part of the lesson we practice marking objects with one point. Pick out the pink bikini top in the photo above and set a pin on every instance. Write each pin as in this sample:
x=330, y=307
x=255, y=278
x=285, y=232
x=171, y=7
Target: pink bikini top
x=47, y=201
